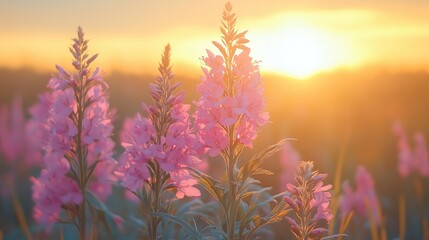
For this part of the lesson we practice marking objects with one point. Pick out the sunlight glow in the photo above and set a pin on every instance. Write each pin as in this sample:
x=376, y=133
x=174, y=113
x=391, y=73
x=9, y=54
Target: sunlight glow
x=298, y=50
x=296, y=43
x=306, y=51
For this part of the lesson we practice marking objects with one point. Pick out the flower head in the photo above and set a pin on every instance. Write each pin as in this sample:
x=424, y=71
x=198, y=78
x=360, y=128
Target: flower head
x=12, y=133
x=364, y=200
x=19, y=150
x=409, y=160
x=164, y=138
x=36, y=126
x=231, y=93
x=310, y=200
x=17, y=141
x=53, y=190
x=76, y=126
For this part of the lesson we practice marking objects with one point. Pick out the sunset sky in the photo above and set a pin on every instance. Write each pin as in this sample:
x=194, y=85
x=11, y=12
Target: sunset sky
x=289, y=38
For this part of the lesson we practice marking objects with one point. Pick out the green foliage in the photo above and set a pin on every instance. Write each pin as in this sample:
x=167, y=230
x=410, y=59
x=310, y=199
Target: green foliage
x=212, y=186
x=100, y=213
x=253, y=166
x=251, y=199
x=192, y=232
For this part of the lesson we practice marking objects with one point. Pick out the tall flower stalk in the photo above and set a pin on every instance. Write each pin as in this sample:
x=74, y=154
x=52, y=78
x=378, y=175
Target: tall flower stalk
x=18, y=152
x=363, y=201
x=78, y=147
x=158, y=150
x=229, y=114
x=414, y=164
x=18, y=156
x=411, y=161
x=309, y=200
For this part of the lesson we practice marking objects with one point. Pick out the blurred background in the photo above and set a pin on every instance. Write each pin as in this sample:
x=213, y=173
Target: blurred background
x=337, y=76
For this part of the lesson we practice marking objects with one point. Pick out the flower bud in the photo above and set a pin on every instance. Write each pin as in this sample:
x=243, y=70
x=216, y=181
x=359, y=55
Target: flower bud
x=318, y=232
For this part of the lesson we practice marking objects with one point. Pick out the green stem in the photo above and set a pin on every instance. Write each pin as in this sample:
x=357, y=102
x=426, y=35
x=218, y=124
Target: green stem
x=420, y=203
x=231, y=215
x=82, y=218
x=82, y=176
x=232, y=190
x=153, y=221
x=81, y=158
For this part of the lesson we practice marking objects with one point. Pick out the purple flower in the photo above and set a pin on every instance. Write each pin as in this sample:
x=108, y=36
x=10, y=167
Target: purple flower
x=309, y=199
x=37, y=133
x=19, y=145
x=364, y=200
x=409, y=160
x=232, y=97
x=164, y=138
x=12, y=131
x=52, y=190
x=76, y=128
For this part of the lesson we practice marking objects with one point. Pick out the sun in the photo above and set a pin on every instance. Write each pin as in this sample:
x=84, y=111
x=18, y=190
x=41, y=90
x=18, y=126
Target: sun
x=298, y=50
x=302, y=53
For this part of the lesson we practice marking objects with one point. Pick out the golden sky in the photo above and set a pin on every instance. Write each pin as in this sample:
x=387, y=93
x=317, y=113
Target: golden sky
x=290, y=38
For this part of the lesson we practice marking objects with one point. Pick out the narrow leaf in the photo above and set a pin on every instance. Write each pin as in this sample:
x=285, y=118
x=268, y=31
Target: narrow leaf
x=250, y=167
x=186, y=226
x=221, y=48
x=212, y=186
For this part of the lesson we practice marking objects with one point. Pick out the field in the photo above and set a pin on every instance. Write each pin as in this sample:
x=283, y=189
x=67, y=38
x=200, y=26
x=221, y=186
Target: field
x=247, y=152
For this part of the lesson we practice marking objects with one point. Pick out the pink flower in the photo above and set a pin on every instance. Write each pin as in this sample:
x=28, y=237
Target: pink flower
x=185, y=183
x=76, y=126
x=19, y=151
x=135, y=136
x=364, y=200
x=163, y=138
x=202, y=165
x=52, y=190
x=12, y=131
x=102, y=179
x=321, y=199
x=97, y=129
x=61, y=80
x=132, y=172
x=409, y=160
x=174, y=152
x=37, y=133
x=310, y=200
x=65, y=102
x=231, y=96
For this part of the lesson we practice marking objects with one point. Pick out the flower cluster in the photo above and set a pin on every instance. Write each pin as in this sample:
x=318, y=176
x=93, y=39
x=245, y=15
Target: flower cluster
x=310, y=200
x=12, y=133
x=164, y=137
x=53, y=190
x=36, y=125
x=231, y=92
x=228, y=116
x=409, y=160
x=364, y=200
x=16, y=142
x=77, y=126
x=18, y=148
